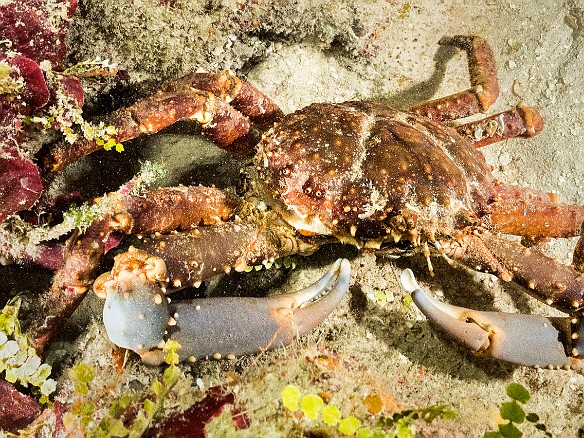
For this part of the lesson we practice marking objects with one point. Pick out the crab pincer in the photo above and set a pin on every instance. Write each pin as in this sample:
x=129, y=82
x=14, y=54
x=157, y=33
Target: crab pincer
x=530, y=340
x=138, y=316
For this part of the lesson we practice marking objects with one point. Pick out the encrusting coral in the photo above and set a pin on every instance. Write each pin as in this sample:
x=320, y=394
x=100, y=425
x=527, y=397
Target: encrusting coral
x=25, y=50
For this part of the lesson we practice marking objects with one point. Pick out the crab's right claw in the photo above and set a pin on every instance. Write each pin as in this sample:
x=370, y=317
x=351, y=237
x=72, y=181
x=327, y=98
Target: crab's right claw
x=138, y=316
x=530, y=340
x=226, y=326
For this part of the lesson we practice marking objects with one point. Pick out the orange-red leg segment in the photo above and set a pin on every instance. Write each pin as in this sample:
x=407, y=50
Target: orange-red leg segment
x=224, y=124
x=201, y=97
x=240, y=94
x=521, y=121
x=557, y=285
x=483, y=78
x=535, y=218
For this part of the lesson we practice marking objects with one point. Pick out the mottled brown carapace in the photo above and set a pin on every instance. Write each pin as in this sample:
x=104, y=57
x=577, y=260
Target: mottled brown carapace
x=364, y=170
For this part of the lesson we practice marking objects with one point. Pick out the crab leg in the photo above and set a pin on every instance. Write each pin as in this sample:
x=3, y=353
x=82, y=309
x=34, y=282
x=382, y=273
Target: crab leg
x=557, y=285
x=225, y=125
x=535, y=218
x=522, y=339
x=207, y=251
x=136, y=313
x=530, y=340
x=521, y=121
x=201, y=97
x=82, y=256
x=483, y=78
x=240, y=94
x=147, y=213
x=189, y=206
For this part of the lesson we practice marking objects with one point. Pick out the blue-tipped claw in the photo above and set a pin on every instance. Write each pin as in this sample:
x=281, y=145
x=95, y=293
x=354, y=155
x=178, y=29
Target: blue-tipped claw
x=530, y=340
x=231, y=326
x=137, y=315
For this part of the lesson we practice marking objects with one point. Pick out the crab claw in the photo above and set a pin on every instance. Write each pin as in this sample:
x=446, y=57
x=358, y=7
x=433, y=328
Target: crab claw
x=530, y=340
x=137, y=316
x=228, y=326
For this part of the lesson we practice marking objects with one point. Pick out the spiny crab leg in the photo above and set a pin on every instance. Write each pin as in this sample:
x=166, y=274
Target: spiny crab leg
x=203, y=252
x=137, y=315
x=143, y=213
x=219, y=102
x=529, y=340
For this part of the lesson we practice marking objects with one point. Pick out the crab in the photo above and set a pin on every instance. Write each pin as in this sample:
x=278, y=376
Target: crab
x=358, y=173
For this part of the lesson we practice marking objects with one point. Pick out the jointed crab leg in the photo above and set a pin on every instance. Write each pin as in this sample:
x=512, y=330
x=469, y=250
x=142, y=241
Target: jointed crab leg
x=207, y=251
x=535, y=218
x=201, y=97
x=532, y=213
x=521, y=121
x=578, y=256
x=82, y=256
x=146, y=213
x=530, y=340
x=240, y=94
x=483, y=78
x=224, y=124
x=522, y=339
x=136, y=312
x=557, y=285
x=171, y=208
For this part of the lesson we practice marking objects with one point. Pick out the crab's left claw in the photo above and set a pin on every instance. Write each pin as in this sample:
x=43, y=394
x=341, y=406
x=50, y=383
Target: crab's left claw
x=529, y=340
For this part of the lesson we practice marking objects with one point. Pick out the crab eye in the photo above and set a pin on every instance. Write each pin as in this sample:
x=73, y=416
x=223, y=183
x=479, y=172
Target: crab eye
x=310, y=188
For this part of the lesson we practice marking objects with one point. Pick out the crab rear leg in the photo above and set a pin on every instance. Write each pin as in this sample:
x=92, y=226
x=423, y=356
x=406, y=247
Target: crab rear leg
x=137, y=314
x=484, y=83
x=535, y=218
x=225, y=125
x=560, y=286
x=520, y=121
